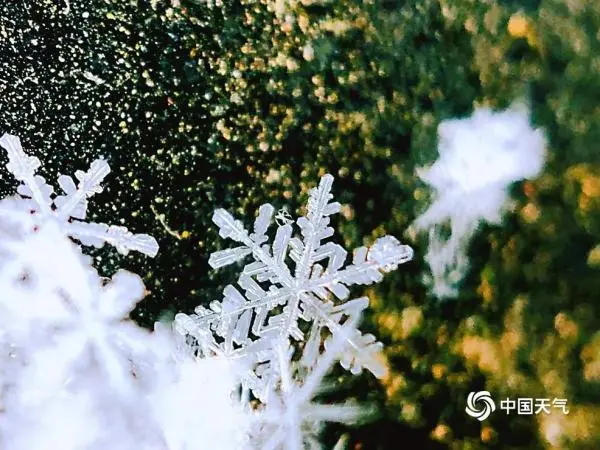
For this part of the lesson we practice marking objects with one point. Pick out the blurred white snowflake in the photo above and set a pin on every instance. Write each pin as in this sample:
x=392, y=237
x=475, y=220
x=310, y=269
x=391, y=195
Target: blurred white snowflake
x=479, y=158
x=75, y=373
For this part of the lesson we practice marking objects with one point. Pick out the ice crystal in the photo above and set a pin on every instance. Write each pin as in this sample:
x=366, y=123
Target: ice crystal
x=70, y=208
x=479, y=158
x=292, y=285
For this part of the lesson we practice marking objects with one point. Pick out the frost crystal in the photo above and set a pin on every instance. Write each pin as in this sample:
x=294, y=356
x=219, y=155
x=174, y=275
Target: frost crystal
x=479, y=157
x=295, y=285
x=70, y=209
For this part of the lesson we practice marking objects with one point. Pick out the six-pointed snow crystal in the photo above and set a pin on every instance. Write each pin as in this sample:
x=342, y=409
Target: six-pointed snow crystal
x=70, y=209
x=293, y=285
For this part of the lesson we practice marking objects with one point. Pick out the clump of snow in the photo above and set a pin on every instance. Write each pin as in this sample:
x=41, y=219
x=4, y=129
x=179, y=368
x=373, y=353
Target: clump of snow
x=479, y=158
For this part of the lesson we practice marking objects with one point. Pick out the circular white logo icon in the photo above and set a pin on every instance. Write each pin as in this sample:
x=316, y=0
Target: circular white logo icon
x=480, y=405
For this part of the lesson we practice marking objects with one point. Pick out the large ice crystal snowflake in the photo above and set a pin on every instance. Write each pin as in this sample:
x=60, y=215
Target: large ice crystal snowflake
x=293, y=285
x=70, y=209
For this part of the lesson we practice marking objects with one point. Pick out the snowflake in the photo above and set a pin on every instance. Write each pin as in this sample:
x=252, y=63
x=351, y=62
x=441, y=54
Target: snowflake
x=76, y=374
x=292, y=285
x=70, y=209
x=479, y=158
x=73, y=312
x=283, y=217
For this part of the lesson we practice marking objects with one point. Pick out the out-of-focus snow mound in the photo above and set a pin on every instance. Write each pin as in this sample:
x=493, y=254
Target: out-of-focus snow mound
x=76, y=373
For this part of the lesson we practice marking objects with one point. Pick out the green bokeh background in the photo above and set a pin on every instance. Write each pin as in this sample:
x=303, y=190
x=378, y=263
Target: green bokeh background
x=205, y=104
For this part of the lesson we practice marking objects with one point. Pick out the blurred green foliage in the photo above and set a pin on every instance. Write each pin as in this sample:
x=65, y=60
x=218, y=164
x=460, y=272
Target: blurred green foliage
x=223, y=103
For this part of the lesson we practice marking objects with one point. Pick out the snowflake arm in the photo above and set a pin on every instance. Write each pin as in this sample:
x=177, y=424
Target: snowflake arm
x=74, y=202
x=315, y=227
x=23, y=167
x=362, y=349
x=70, y=208
x=97, y=234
